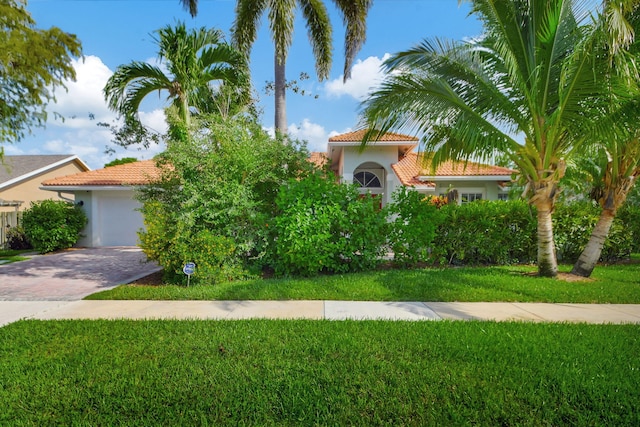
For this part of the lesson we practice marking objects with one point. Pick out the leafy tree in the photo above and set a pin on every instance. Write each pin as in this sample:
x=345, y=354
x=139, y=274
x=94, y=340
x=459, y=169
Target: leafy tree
x=33, y=63
x=220, y=187
x=281, y=15
x=122, y=161
x=194, y=59
x=533, y=73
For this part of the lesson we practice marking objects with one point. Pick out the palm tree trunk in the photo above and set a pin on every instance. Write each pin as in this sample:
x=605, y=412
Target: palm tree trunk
x=547, y=262
x=280, y=95
x=591, y=253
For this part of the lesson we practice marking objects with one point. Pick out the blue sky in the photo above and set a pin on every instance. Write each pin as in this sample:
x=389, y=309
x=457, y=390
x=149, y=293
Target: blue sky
x=117, y=32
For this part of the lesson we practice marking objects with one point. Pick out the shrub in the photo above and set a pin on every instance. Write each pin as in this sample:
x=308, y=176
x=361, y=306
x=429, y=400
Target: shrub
x=219, y=190
x=629, y=215
x=16, y=239
x=412, y=228
x=53, y=224
x=325, y=226
x=486, y=232
x=573, y=224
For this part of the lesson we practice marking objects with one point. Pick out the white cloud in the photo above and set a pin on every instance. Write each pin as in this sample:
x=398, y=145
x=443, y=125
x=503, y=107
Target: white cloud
x=313, y=133
x=365, y=76
x=83, y=96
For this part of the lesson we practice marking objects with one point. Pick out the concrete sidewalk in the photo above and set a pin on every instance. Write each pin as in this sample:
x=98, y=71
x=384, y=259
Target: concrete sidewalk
x=11, y=311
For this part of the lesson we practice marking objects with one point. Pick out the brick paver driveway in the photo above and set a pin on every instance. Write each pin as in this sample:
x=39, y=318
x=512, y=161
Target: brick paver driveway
x=72, y=274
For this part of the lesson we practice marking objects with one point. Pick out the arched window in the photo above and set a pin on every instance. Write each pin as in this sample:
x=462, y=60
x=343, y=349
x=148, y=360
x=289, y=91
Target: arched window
x=366, y=179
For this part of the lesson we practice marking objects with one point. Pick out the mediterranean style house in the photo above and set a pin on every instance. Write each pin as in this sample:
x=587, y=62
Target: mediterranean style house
x=108, y=195
x=391, y=162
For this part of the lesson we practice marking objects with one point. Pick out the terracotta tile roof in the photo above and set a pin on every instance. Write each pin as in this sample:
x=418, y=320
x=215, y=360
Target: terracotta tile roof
x=318, y=158
x=410, y=168
x=137, y=173
x=359, y=134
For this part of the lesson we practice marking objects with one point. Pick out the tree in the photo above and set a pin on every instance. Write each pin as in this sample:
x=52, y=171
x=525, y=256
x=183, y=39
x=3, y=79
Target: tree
x=617, y=159
x=194, y=59
x=121, y=161
x=532, y=75
x=281, y=16
x=33, y=63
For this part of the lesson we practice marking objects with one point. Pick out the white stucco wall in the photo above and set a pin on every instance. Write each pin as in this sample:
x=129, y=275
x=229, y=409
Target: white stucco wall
x=384, y=156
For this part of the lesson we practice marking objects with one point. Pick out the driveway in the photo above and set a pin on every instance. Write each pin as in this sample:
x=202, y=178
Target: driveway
x=72, y=274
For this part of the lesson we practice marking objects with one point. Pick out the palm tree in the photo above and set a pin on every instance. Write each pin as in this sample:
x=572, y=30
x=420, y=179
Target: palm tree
x=195, y=60
x=281, y=14
x=617, y=158
x=523, y=90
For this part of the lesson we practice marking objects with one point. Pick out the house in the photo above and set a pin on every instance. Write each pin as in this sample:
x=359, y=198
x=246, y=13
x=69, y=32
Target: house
x=107, y=197
x=20, y=178
x=391, y=162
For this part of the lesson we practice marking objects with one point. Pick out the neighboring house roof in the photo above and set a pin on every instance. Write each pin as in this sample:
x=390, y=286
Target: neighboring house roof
x=359, y=134
x=15, y=169
x=317, y=158
x=411, y=172
x=129, y=174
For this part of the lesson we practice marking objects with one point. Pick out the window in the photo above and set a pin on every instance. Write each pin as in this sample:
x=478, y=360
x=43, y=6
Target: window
x=367, y=179
x=503, y=196
x=470, y=197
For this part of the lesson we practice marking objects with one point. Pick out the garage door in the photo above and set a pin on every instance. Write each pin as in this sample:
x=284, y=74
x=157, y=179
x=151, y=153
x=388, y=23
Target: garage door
x=119, y=220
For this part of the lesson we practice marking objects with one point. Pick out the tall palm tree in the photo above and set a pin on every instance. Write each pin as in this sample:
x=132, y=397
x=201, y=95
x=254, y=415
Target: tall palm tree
x=281, y=14
x=524, y=90
x=195, y=60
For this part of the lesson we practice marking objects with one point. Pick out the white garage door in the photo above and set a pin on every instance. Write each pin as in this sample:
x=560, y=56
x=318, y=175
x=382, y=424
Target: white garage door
x=118, y=219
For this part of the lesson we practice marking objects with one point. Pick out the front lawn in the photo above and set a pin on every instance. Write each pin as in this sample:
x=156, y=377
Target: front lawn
x=286, y=373
x=610, y=284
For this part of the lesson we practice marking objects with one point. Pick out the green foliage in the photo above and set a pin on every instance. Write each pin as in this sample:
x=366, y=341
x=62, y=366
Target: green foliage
x=325, y=226
x=33, y=63
x=53, y=224
x=413, y=226
x=486, y=232
x=122, y=161
x=573, y=223
x=224, y=182
x=629, y=215
x=17, y=239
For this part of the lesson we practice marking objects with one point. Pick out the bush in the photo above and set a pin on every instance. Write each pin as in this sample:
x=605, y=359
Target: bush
x=572, y=227
x=16, y=239
x=50, y=225
x=486, y=232
x=219, y=191
x=629, y=215
x=325, y=226
x=412, y=228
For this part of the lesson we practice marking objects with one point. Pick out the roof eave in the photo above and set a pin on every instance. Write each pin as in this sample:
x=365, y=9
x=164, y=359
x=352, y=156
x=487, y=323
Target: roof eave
x=464, y=177
x=44, y=169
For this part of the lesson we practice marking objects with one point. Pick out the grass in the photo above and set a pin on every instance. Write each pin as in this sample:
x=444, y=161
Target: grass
x=8, y=256
x=286, y=373
x=610, y=284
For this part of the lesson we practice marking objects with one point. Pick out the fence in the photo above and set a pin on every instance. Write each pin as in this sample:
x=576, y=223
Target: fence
x=7, y=220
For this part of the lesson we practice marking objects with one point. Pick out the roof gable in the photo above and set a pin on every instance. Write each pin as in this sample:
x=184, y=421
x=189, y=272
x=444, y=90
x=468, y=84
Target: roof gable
x=14, y=169
x=358, y=135
x=137, y=173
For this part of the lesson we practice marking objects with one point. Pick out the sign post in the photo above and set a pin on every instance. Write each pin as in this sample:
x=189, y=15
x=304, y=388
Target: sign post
x=188, y=269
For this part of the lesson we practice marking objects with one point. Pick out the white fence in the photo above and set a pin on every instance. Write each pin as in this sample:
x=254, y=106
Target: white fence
x=7, y=220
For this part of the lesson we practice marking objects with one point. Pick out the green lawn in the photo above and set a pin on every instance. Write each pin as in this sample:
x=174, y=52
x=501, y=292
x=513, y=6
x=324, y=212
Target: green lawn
x=290, y=373
x=611, y=284
x=8, y=256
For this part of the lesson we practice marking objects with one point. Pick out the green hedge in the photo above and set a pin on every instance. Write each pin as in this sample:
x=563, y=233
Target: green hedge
x=50, y=225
